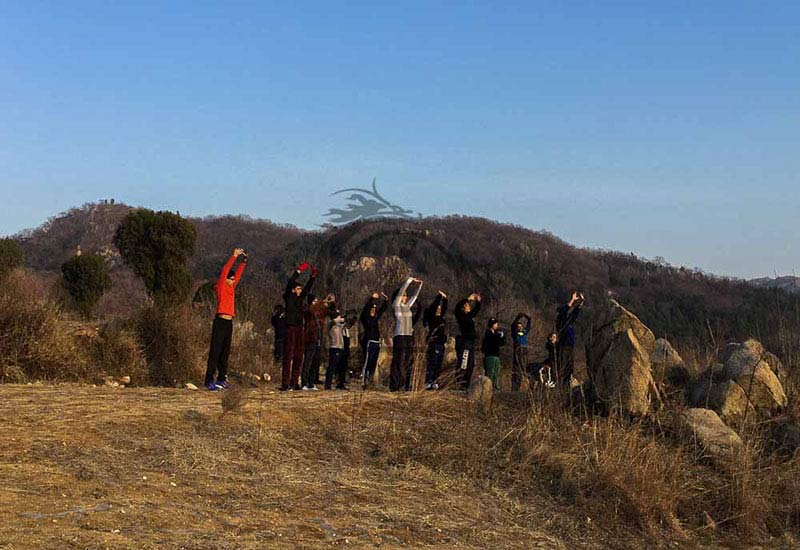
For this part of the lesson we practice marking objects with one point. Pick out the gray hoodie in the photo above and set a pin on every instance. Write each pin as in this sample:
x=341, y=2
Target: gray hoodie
x=404, y=318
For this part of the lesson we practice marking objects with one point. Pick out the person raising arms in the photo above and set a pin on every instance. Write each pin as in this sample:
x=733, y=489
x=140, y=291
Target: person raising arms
x=293, y=298
x=434, y=319
x=222, y=327
x=465, y=313
x=403, y=341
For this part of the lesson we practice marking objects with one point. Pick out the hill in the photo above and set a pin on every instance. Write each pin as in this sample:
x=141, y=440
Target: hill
x=515, y=267
x=787, y=283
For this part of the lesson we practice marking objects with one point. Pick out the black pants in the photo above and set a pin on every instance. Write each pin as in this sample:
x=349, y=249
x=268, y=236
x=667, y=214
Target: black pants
x=277, y=349
x=402, y=363
x=221, y=334
x=565, y=359
x=465, y=350
x=371, y=353
x=435, y=359
x=519, y=367
x=311, y=361
x=335, y=366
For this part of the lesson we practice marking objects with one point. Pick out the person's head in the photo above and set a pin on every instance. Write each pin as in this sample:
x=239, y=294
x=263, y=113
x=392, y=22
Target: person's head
x=552, y=338
x=297, y=290
x=439, y=310
x=467, y=307
x=373, y=310
x=278, y=309
x=519, y=327
x=493, y=324
x=231, y=278
x=404, y=298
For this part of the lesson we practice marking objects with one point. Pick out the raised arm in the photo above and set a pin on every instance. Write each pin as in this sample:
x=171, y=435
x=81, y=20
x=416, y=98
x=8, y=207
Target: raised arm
x=475, y=309
x=239, y=271
x=309, y=283
x=365, y=312
x=225, y=269
x=402, y=290
x=413, y=299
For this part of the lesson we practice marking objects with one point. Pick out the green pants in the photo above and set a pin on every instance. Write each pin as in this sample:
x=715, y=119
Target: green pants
x=491, y=367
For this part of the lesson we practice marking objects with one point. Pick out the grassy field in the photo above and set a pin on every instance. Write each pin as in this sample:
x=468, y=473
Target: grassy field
x=86, y=467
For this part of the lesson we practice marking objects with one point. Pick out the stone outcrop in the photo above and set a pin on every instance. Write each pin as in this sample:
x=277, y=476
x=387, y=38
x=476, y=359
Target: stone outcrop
x=705, y=428
x=618, y=358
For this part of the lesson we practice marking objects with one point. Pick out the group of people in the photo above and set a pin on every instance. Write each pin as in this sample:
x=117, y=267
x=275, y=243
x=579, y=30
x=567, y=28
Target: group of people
x=305, y=322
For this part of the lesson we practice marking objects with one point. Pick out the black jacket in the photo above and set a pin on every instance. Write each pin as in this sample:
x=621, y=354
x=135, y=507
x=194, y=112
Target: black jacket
x=295, y=303
x=492, y=341
x=279, y=324
x=466, y=321
x=371, y=325
x=437, y=326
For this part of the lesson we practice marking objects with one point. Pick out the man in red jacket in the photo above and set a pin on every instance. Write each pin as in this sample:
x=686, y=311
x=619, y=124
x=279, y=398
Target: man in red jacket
x=222, y=328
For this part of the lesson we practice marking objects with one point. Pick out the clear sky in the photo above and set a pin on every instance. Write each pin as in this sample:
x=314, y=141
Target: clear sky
x=661, y=128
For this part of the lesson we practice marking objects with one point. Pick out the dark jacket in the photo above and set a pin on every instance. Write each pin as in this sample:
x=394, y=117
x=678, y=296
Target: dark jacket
x=466, y=321
x=295, y=303
x=551, y=353
x=437, y=326
x=492, y=341
x=279, y=325
x=520, y=337
x=314, y=317
x=566, y=317
x=371, y=325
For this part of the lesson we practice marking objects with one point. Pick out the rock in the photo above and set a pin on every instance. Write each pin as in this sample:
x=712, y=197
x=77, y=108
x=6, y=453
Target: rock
x=668, y=366
x=365, y=263
x=705, y=428
x=480, y=392
x=748, y=364
x=739, y=359
x=785, y=438
x=450, y=357
x=727, y=398
x=190, y=386
x=765, y=390
x=125, y=380
x=777, y=367
x=618, y=360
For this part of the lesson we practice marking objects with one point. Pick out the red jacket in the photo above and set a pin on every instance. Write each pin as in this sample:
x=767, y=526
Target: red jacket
x=225, y=292
x=314, y=322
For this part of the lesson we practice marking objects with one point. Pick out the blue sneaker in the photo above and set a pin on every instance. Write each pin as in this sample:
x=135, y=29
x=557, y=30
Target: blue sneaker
x=211, y=386
x=224, y=385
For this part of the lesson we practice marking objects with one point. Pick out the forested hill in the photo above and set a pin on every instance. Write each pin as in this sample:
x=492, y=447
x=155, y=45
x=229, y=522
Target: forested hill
x=510, y=264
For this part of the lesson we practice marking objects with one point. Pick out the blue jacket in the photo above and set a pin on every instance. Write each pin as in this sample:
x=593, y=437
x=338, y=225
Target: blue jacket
x=520, y=337
x=566, y=317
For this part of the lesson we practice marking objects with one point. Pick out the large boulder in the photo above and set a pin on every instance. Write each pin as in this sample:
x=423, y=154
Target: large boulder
x=450, y=356
x=706, y=429
x=748, y=364
x=668, y=366
x=618, y=358
x=726, y=397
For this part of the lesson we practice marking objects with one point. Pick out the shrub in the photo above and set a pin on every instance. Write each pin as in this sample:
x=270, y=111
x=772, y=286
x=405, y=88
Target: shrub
x=37, y=341
x=173, y=341
x=86, y=279
x=157, y=246
x=117, y=352
x=11, y=256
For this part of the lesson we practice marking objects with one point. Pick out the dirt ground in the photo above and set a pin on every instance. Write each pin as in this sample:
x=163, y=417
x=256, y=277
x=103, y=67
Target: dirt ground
x=84, y=467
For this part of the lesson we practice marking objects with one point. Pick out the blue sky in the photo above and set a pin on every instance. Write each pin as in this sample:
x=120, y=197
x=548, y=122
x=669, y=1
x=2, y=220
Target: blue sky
x=661, y=128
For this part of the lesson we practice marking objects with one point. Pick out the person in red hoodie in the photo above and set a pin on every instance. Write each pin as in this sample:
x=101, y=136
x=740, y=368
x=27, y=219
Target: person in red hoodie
x=222, y=327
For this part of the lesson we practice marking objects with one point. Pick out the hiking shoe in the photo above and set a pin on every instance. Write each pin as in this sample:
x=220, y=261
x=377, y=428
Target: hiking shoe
x=434, y=386
x=313, y=388
x=211, y=386
x=429, y=386
x=304, y=388
x=225, y=385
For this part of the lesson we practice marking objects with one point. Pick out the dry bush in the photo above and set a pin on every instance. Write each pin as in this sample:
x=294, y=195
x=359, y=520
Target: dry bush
x=117, y=352
x=175, y=344
x=37, y=339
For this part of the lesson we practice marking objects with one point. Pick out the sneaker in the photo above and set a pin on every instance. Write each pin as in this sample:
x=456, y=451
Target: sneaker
x=211, y=386
x=313, y=388
x=428, y=386
x=550, y=384
x=283, y=388
x=305, y=388
x=225, y=385
x=297, y=387
x=434, y=386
